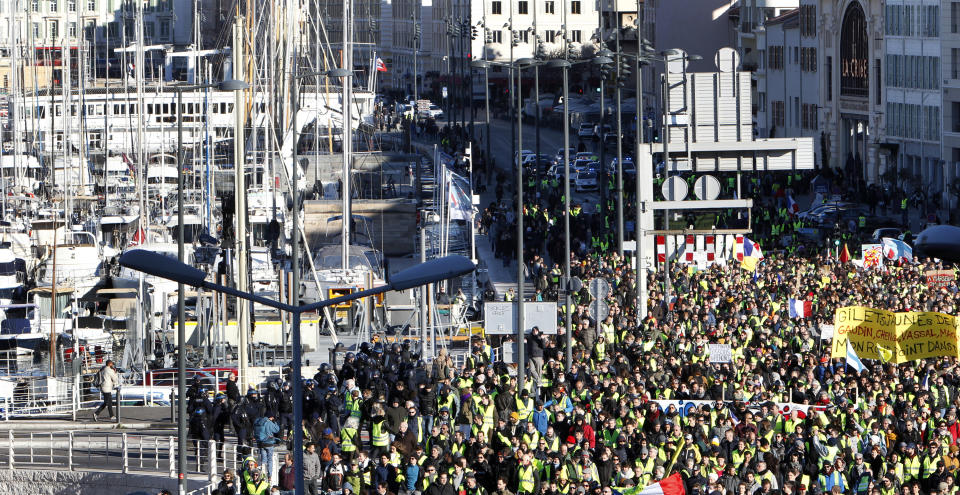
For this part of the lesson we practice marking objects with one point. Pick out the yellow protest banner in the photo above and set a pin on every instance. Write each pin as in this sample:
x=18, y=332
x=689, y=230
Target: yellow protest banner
x=925, y=334
x=864, y=328
x=901, y=337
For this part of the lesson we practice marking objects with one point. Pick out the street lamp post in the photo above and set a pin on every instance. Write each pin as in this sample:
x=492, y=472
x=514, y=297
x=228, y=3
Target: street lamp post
x=565, y=65
x=521, y=335
x=486, y=84
x=426, y=273
x=603, y=60
x=230, y=85
x=295, y=266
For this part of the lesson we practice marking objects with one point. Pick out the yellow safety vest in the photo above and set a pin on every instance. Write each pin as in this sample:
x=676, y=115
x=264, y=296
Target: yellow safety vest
x=527, y=481
x=346, y=439
x=378, y=435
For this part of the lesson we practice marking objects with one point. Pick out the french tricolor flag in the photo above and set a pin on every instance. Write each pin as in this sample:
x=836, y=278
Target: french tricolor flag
x=800, y=308
x=671, y=485
x=792, y=207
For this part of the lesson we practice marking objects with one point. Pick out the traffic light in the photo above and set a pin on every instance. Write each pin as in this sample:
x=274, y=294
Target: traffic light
x=373, y=25
x=541, y=51
x=487, y=36
x=605, y=71
x=473, y=32
x=417, y=31
x=571, y=53
x=516, y=38
x=624, y=74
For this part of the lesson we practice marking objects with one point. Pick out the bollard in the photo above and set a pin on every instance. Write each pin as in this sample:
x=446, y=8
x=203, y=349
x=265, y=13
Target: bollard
x=70, y=451
x=126, y=456
x=173, y=406
x=212, y=455
x=173, y=457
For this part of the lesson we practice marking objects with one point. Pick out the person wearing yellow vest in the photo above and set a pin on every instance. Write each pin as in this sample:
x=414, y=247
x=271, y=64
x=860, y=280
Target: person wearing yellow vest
x=524, y=405
x=257, y=484
x=528, y=482
x=379, y=436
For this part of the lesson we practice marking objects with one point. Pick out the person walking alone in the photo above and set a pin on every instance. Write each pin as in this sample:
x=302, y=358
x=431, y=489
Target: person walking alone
x=107, y=381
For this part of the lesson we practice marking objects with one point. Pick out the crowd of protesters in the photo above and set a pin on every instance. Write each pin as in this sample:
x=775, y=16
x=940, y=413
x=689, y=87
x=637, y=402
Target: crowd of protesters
x=390, y=422
x=387, y=422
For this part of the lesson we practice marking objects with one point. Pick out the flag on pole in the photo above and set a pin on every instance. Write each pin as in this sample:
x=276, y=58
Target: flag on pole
x=885, y=354
x=852, y=358
x=671, y=485
x=458, y=197
x=381, y=67
x=800, y=308
x=845, y=254
x=895, y=249
x=792, y=207
x=751, y=255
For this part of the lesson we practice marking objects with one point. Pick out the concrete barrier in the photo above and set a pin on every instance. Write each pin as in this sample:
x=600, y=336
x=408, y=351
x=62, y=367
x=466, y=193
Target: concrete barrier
x=52, y=482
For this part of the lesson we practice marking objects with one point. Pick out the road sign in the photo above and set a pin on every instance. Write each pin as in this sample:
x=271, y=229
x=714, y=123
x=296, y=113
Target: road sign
x=598, y=309
x=500, y=318
x=720, y=353
x=575, y=284
x=599, y=288
x=674, y=189
x=444, y=91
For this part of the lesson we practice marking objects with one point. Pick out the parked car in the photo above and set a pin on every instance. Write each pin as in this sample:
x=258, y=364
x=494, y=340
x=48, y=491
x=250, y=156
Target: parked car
x=586, y=180
x=628, y=167
x=585, y=130
x=434, y=112
x=559, y=157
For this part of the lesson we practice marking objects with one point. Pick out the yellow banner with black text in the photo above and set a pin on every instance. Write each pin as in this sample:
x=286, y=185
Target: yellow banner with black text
x=894, y=337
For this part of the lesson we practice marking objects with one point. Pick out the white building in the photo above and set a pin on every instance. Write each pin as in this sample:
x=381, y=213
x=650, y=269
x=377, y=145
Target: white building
x=787, y=89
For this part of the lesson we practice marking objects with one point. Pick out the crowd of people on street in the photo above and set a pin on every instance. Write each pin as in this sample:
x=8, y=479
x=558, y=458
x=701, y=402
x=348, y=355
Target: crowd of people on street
x=608, y=420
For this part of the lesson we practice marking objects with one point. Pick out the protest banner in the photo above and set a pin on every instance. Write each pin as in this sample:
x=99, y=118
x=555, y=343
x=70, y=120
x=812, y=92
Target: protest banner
x=937, y=279
x=910, y=335
x=925, y=334
x=864, y=328
x=720, y=353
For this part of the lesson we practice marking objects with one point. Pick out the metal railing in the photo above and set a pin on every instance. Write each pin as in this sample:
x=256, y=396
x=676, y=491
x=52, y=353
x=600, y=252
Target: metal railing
x=113, y=451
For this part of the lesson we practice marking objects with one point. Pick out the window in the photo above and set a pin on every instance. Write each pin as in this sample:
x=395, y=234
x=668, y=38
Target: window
x=776, y=113
x=35, y=5
x=575, y=7
x=164, y=30
x=54, y=29
x=796, y=55
x=89, y=30
x=522, y=7
x=496, y=8
x=549, y=35
x=575, y=36
x=548, y=7
x=954, y=17
x=72, y=5
x=73, y=29
x=524, y=36
x=879, y=86
x=36, y=29
x=955, y=110
x=954, y=63
x=762, y=100
x=808, y=21
x=796, y=111
x=148, y=30
x=91, y=4
x=829, y=78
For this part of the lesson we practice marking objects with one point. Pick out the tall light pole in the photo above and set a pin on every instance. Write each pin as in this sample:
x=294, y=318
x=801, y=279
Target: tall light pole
x=603, y=60
x=483, y=64
x=565, y=65
x=641, y=283
x=521, y=334
x=295, y=340
x=158, y=265
x=231, y=85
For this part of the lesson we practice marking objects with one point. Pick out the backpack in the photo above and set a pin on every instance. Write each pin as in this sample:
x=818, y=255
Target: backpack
x=326, y=455
x=98, y=379
x=240, y=416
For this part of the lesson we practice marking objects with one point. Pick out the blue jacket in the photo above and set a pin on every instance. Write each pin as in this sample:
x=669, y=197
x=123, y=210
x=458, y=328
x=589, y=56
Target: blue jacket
x=541, y=420
x=412, y=474
x=264, y=431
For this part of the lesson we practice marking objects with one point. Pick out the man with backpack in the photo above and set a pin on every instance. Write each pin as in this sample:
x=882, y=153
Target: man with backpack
x=107, y=380
x=265, y=431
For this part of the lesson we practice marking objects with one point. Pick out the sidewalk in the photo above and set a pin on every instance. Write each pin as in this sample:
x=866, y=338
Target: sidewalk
x=131, y=418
